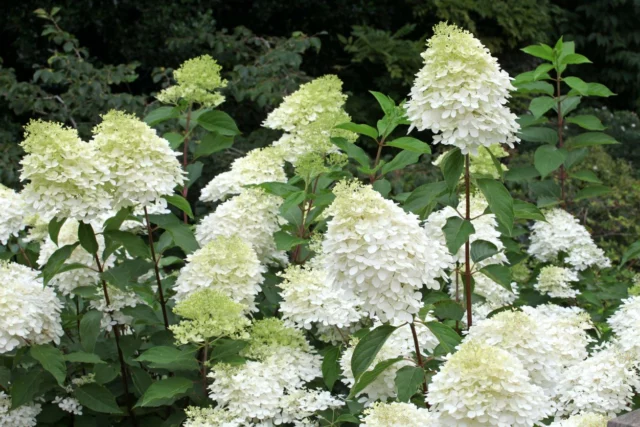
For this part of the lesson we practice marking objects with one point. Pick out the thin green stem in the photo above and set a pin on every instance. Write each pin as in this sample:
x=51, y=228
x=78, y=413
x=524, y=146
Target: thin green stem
x=185, y=158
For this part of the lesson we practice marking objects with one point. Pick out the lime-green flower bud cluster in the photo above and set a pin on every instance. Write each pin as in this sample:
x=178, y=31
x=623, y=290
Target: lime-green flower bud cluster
x=198, y=80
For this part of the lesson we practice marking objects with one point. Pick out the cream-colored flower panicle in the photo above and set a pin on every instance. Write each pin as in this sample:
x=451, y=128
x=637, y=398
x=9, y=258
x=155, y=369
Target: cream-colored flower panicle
x=556, y=282
x=30, y=310
x=143, y=166
x=481, y=385
x=460, y=94
x=586, y=419
x=563, y=233
x=376, y=251
x=209, y=314
x=226, y=264
x=198, y=80
x=396, y=414
x=14, y=215
x=254, y=216
x=66, y=177
x=258, y=166
x=625, y=323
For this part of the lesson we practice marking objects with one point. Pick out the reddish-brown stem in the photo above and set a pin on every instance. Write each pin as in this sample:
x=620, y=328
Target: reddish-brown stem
x=24, y=255
x=116, y=333
x=467, y=244
x=457, y=292
x=561, y=172
x=185, y=159
x=419, y=357
x=157, y=270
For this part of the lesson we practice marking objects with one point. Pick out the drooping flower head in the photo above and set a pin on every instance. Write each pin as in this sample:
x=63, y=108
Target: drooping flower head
x=556, y=282
x=66, y=176
x=562, y=233
x=253, y=215
x=207, y=314
x=376, y=251
x=30, y=311
x=625, y=323
x=257, y=166
x=461, y=92
x=482, y=385
x=14, y=214
x=396, y=414
x=198, y=80
x=226, y=264
x=143, y=166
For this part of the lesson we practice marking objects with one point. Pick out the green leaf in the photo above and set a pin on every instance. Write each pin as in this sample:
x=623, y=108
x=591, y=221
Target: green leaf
x=352, y=150
x=452, y=165
x=212, y=143
x=25, y=387
x=574, y=58
x=165, y=392
x=402, y=160
x=331, y=367
x=500, y=202
x=540, y=51
x=56, y=260
x=588, y=139
x=500, y=274
x=541, y=105
x=369, y=376
x=408, y=379
x=448, y=309
x=382, y=186
x=97, y=398
x=115, y=222
x=164, y=357
x=592, y=191
x=160, y=115
x=421, y=201
x=90, y=330
x=496, y=163
x=524, y=210
x=537, y=87
x=456, y=232
x=141, y=379
x=632, y=252
x=586, y=121
x=218, y=121
x=539, y=134
x=87, y=238
x=126, y=273
x=175, y=139
x=181, y=233
x=54, y=228
x=410, y=144
x=387, y=104
x=548, y=158
x=575, y=156
x=587, y=89
x=226, y=348
x=481, y=250
x=285, y=241
x=194, y=171
x=569, y=104
x=586, y=175
x=597, y=89
x=131, y=242
x=293, y=199
x=359, y=129
x=52, y=360
x=541, y=70
x=278, y=188
x=368, y=347
x=180, y=203
x=524, y=173
x=82, y=357
x=447, y=337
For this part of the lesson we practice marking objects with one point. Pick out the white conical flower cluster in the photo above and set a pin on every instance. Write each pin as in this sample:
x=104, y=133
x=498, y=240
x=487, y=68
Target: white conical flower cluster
x=523, y=337
x=556, y=282
x=226, y=264
x=253, y=215
x=308, y=117
x=22, y=416
x=562, y=233
x=14, y=214
x=30, y=311
x=603, y=383
x=460, y=94
x=376, y=251
x=587, y=419
x=399, y=344
x=142, y=165
x=396, y=414
x=625, y=323
x=481, y=385
x=256, y=167
x=308, y=298
x=67, y=281
x=66, y=176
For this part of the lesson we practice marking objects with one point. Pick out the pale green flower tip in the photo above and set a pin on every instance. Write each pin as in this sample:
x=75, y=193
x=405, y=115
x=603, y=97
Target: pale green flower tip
x=197, y=79
x=42, y=135
x=267, y=335
x=207, y=303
